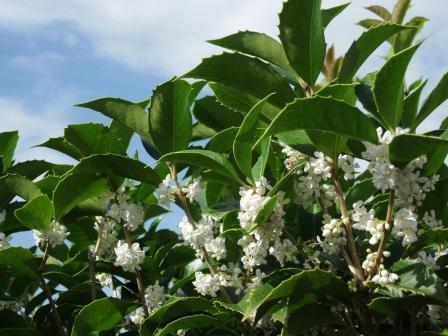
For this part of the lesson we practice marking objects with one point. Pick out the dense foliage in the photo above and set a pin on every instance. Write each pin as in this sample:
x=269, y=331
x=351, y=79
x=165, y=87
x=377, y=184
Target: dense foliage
x=312, y=208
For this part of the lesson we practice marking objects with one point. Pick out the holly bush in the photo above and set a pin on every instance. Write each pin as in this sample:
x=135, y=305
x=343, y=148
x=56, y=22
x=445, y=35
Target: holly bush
x=310, y=204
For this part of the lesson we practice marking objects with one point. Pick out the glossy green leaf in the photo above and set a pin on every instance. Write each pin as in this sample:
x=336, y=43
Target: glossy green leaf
x=406, y=147
x=302, y=36
x=323, y=114
x=170, y=123
x=262, y=161
x=74, y=189
x=328, y=14
x=117, y=165
x=100, y=315
x=215, y=115
x=15, y=185
x=405, y=38
x=410, y=105
x=19, y=261
x=222, y=142
x=436, y=158
x=60, y=144
x=200, y=131
x=203, y=158
x=438, y=95
x=255, y=44
x=363, y=47
x=308, y=317
x=381, y=12
x=344, y=92
x=129, y=114
x=245, y=73
x=194, y=322
x=388, y=87
x=8, y=143
x=32, y=168
x=399, y=11
x=37, y=213
x=246, y=138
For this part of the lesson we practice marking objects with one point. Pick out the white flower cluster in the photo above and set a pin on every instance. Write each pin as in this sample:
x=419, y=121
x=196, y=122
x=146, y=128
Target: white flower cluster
x=365, y=220
x=369, y=263
x=207, y=284
x=348, y=165
x=202, y=236
x=430, y=257
x=227, y=276
x=383, y=277
x=129, y=257
x=55, y=234
x=410, y=186
x=310, y=186
x=293, y=157
x=122, y=211
x=105, y=279
x=430, y=220
x=167, y=190
x=265, y=238
x=333, y=232
x=155, y=297
x=405, y=226
x=107, y=236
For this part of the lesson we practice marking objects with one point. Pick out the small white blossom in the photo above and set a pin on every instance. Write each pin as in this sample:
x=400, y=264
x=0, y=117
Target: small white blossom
x=166, y=192
x=4, y=241
x=293, y=157
x=231, y=276
x=137, y=316
x=284, y=251
x=430, y=219
x=207, y=284
x=333, y=232
x=348, y=165
x=193, y=189
x=55, y=234
x=405, y=226
x=129, y=258
x=107, y=235
x=134, y=216
x=155, y=297
x=104, y=279
x=384, y=276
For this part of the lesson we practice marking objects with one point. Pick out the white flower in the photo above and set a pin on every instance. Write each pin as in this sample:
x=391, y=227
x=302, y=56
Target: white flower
x=293, y=157
x=216, y=247
x=129, y=259
x=333, y=232
x=262, y=185
x=55, y=234
x=231, y=276
x=2, y=216
x=137, y=316
x=284, y=251
x=250, y=204
x=104, y=279
x=405, y=226
x=193, y=189
x=107, y=235
x=256, y=279
x=206, y=284
x=348, y=165
x=430, y=219
x=166, y=191
x=384, y=276
x=4, y=241
x=134, y=216
x=155, y=297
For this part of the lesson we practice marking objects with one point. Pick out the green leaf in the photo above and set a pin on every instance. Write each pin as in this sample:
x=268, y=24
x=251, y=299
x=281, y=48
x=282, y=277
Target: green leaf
x=74, y=189
x=222, y=142
x=428, y=238
x=381, y=12
x=245, y=73
x=328, y=14
x=406, y=147
x=255, y=44
x=344, y=92
x=60, y=144
x=19, y=332
x=262, y=161
x=8, y=143
x=369, y=23
x=203, y=158
x=31, y=169
x=129, y=114
x=215, y=115
x=435, y=98
x=363, y=47
x=15, y=185
x=399, y=11
x=323, y=114
x=117, y=165
x=302, y=36
x=405, y=38
x=307, y=317
x=436, y=158
x=388, y=86
x=360, y=191
x=264, y=214
x=173, y=309
x=194, y=322
x=19, y=261
x=100, y=315
x=416, y=278
x=36, y=214
x=246, y=137
x=410, y=105
x=170, y=123
x=200, y=131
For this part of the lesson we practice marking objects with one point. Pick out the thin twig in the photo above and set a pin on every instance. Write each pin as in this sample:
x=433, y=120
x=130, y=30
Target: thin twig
x=91, y=258
x=184, y=205
x=138, y=276
x=46, y=289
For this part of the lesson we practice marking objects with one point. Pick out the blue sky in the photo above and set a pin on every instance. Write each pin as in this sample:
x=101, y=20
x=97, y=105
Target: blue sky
x=58, y=53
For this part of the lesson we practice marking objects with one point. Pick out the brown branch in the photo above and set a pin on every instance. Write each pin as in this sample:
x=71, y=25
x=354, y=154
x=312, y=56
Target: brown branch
x=46, y=289
x=184, y=205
